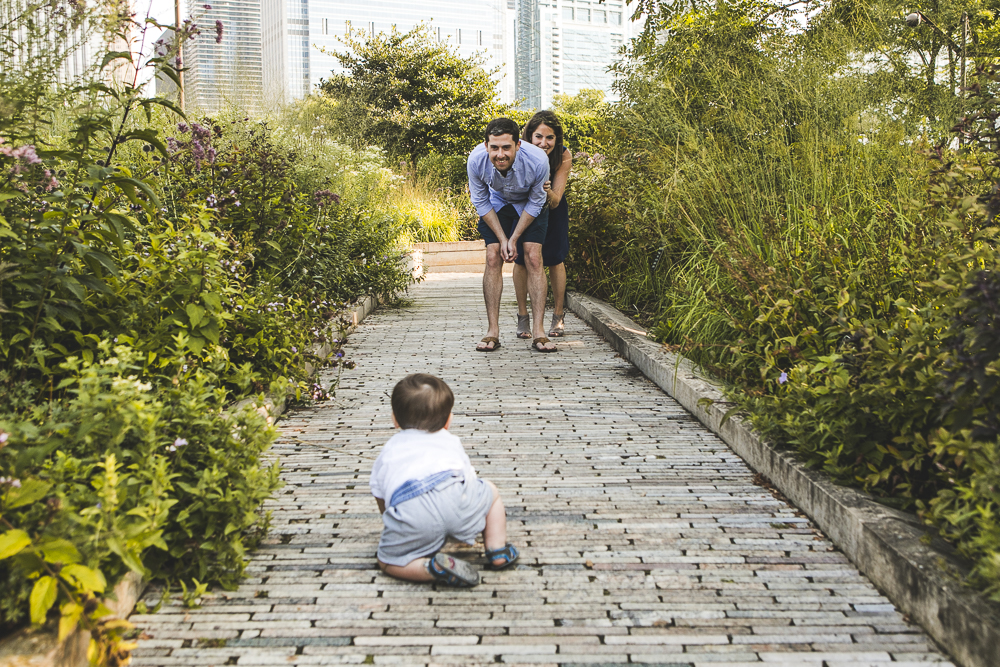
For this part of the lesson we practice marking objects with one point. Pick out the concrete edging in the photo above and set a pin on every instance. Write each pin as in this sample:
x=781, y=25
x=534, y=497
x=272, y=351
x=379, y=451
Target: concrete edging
x=39, y=649
x=885, y=544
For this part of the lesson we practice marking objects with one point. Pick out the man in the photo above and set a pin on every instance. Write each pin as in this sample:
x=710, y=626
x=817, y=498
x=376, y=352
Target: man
x=506, y=179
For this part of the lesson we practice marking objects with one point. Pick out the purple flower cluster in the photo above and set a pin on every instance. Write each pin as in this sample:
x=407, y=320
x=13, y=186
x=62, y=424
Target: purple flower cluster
x=218, y=31
x=325, y=198
x=24, y=154
x=201, y=149
x=24, y=158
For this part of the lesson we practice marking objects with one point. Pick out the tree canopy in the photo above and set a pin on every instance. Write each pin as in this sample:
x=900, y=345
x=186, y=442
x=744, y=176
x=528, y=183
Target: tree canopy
x=411, y=94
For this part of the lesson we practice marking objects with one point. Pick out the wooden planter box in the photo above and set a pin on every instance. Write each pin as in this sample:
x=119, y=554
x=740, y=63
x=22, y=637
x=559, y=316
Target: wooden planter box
x=452, y=257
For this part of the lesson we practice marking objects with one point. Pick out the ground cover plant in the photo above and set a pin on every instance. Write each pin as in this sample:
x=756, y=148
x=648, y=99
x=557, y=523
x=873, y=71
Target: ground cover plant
x=805, y=205
x=154, y=268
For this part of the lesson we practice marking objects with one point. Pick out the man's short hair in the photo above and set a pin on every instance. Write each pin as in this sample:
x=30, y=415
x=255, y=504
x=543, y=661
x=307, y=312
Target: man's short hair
x=499, y=126
x=422, y=401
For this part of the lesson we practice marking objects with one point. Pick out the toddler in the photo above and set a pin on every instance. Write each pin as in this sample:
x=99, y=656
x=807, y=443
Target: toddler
x=427, y=491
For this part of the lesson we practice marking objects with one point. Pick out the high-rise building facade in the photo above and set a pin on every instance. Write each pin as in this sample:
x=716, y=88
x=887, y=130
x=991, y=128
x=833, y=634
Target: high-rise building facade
x=286, y=49
x=67, y=40
x=301, y=36
x=565, y=46
x=227, y=70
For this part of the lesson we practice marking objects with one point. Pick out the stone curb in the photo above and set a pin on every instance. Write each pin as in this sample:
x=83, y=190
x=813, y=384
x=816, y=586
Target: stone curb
x=38, y=649
x=885, y=544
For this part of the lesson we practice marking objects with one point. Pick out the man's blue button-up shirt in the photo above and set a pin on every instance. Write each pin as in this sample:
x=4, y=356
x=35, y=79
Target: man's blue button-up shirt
x=521, y=187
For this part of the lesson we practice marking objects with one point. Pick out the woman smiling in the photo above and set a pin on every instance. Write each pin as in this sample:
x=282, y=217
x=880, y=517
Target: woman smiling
x=545, y=131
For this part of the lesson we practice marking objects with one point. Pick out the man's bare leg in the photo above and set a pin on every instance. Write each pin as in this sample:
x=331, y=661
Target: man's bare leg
x=492, y=291
x=537, y=287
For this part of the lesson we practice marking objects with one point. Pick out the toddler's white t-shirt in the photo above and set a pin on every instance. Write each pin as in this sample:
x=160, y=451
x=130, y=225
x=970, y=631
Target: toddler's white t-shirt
x=415, y=454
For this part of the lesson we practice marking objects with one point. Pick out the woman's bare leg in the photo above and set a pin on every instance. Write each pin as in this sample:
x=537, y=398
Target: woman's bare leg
x=557, y=276
x=521, y=288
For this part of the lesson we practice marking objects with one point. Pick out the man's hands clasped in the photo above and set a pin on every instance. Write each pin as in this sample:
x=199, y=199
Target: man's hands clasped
x=508, y=249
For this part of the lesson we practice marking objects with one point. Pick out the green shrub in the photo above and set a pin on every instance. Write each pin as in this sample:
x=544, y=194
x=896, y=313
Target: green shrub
x=151, y=272
x=783, y=216
x=163, y=482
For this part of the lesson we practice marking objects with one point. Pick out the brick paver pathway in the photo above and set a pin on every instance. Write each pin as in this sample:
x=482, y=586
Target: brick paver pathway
x=643, y=538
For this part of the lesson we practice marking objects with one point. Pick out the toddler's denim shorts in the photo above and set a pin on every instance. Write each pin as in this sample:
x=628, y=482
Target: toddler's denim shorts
x=419, y=526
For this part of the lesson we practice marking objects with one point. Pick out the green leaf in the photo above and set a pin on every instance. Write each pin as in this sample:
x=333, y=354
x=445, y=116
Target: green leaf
x=132, y=184
x=115, y=55
x=162, y=101
x=59, y=551
x=212, y=300
x=196, y=344
x=210, y=331
x=195, y=313
x=12, y=542
x=84, y=577
x=43, y=596
x=68, y=619
x=31, y=491
x=729, y=413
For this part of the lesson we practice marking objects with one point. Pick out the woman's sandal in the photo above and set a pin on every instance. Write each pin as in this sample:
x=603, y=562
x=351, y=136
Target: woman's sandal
x=542, y=340
x=509, y=554
x=558, y=328
x=452, y=571
x=524, y=326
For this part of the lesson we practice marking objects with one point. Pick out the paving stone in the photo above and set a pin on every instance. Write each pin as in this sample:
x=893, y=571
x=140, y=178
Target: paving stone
x=643, y=537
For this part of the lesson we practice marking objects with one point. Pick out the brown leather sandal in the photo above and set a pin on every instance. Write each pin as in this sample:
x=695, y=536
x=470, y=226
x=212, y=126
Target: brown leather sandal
x=542, y=340
x=489, y=339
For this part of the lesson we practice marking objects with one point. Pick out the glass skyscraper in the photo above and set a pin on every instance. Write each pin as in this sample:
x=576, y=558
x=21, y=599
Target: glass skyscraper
x=565, y=46
x=300, y=36
x=228, y=71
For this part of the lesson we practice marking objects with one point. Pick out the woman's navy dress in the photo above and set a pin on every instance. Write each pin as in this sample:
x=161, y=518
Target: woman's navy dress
x=556, y=245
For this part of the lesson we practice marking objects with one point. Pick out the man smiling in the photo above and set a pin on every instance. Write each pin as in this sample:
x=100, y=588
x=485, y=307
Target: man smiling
x=506, y=182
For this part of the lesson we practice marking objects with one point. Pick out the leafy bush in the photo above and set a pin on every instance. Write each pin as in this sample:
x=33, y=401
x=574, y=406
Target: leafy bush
x=771, y=201
x=410, y=94
x=126, y=477
x=152, y=270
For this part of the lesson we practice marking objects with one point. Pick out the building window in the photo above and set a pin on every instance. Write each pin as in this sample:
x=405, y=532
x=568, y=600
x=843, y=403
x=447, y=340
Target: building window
x=479, y=38
x=458, y=35
x=616, y=18
x=599, y=16
x=583, y=15
x=567, y=13
x=326, y=26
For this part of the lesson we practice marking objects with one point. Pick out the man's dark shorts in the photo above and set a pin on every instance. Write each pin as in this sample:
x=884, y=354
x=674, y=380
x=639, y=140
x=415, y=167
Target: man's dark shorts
x=508, y=221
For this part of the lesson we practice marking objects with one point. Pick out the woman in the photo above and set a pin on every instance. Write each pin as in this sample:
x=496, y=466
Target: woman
x=545, y=131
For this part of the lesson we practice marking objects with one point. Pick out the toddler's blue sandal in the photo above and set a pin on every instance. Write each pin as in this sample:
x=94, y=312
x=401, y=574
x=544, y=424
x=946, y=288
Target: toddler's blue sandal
x=509, y=554
x=452, y=571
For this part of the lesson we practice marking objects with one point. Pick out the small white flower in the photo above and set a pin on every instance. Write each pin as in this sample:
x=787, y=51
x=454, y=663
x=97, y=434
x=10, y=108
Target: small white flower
x=180, y=442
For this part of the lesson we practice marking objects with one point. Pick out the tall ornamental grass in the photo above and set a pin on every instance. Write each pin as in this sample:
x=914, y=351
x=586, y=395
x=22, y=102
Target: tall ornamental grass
x=797, y=213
